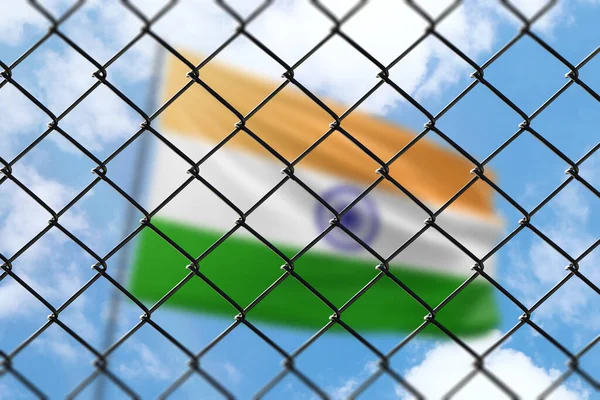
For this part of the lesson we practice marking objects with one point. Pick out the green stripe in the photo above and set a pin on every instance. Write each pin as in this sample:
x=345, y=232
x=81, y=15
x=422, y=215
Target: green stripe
x=244, y=268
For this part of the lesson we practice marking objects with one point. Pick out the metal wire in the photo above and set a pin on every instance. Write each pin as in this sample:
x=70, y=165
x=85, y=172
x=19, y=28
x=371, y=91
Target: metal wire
x=102, y=272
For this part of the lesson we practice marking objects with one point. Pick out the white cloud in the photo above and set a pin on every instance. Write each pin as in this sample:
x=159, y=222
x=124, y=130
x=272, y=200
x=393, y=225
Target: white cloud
x=348, y=386
x=56, y=287
x=21, y=24
x=233, y=373
x=16, y=19
x=345, y=390
x=384, y=28
x=54, y=341
x=20, y=220
x=49, y=266
x=539, y=267
x=14, y=299
x=143, y=363
x=19, y=117
x=22, y=217
x=435, y=376
x=61, y=75
x=102, y=118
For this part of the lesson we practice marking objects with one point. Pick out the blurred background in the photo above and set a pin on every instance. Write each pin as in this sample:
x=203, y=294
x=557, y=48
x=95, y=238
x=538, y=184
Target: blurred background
x=146, y=49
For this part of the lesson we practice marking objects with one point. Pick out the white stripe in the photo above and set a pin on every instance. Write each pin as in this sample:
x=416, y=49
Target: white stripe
x=289, y=216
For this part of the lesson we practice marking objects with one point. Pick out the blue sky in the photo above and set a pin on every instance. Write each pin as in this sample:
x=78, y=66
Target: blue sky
x=526, y=170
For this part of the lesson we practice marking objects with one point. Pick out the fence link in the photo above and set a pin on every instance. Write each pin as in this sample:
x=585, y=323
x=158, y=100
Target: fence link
x=102, y=365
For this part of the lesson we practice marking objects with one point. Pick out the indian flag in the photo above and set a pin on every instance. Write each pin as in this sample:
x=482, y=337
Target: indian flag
x=240, y=168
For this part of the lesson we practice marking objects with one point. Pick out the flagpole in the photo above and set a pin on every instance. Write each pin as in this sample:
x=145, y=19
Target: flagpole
x=141, y=158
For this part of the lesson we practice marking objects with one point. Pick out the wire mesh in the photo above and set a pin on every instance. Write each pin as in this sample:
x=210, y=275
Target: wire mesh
x=102, y=168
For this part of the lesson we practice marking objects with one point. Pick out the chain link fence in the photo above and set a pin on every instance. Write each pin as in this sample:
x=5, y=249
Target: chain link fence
x=102, y=365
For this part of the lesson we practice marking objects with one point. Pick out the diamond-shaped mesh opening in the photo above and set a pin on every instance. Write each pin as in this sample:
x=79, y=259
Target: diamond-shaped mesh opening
x=111, y=229
x=156, y=257
x=19, y=323
x=54, y=58
x=566, y=310
x=479, y=229
x=539, y=83
x=242, y=74
x=469, y=28
x=568, y=128
x=403, y=313
x=91, y=308
x=22, y=218
x=56, y=347
x=243, y=170
x=255, y=265
x=539, y=177
x=398, y=29
x=114, y=122
x=494, y=124
x=99, y=22
x=521, y=343
x=291, y=19
x=255, y=365
x=298, y=299
x=23, y=122
x=571, y=228
x=320, y=365
x=294, y=212
x=202, y=328
x=436, y=181
x=134, y=66
x=58, y=183
x=434, y=357
x=534, y=267
x=140, y=362
x=208, y=21
x=159, y=160
x=432, y=84
x=338, y=83
x=55, y=268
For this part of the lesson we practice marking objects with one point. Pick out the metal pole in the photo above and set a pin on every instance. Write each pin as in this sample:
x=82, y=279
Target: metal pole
x=141, y=158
